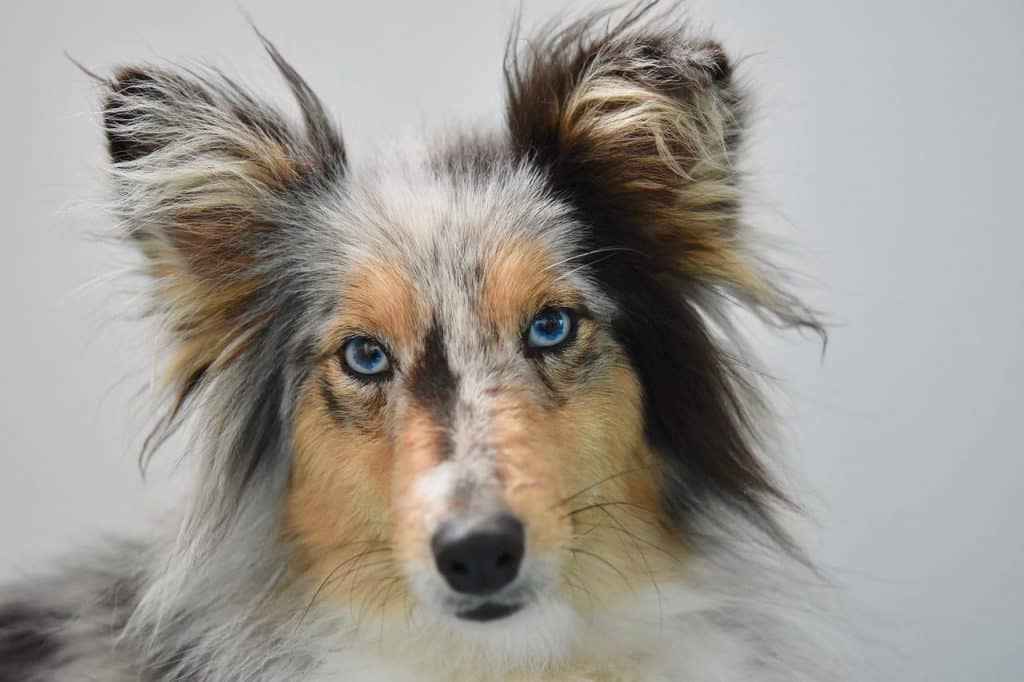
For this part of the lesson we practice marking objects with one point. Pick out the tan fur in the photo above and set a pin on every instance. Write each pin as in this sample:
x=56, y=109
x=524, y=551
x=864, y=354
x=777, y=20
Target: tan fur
x=338, y=512
x=212, y=323
x=377, y=299
x=517, y=281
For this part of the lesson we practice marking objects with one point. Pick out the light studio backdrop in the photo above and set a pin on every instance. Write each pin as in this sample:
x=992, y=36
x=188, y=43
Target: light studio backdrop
x=887, y=147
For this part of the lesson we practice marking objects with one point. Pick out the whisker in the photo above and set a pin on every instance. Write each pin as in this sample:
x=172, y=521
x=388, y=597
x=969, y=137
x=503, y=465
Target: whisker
x=576, y=583
x=577, y=550
x=371, y=598
x=607, y=479
x=354, y=572
x=330, y=576
x=569, y=273
x=386, y=595
x=594, y=252
x=637, y=538
x=634, y=538
x=616, y=503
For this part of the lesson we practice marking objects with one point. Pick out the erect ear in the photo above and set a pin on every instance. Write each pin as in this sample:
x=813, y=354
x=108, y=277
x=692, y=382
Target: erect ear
x=203, y=175
x=199, y=161
x=638, y=126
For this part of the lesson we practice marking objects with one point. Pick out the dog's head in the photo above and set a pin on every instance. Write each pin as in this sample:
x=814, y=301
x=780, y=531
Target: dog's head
x=486, y=376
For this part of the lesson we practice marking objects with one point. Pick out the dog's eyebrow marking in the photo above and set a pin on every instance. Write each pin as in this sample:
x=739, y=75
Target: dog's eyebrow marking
x=335, y=408
x=432, y=382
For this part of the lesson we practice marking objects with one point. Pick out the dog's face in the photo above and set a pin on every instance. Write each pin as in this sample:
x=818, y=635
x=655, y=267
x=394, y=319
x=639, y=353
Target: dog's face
x=482, y=381
x=472, y=430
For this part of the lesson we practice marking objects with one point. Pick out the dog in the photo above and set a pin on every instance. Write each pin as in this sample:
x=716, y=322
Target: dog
x=473, y=410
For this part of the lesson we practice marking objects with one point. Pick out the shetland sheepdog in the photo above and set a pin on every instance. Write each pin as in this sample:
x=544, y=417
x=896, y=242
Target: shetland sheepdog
x=472, y=410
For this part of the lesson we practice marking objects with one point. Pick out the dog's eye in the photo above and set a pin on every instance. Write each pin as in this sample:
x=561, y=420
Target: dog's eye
x=366, y=357
x=549, y=329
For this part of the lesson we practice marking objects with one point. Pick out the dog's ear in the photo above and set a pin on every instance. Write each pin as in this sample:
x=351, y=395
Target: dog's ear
x=638, y=126
x=200, y=162
x=203, y=174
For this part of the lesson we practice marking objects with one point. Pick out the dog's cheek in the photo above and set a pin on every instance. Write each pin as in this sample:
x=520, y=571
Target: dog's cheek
x=552, y=457
x=587, y=484
x=337, y=509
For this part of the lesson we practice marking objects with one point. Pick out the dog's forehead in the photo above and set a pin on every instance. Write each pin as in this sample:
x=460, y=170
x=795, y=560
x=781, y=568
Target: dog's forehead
x=435, y=213
x=460, y=238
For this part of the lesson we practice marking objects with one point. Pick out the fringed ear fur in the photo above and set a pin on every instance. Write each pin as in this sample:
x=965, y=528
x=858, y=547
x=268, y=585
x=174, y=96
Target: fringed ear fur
x=639, y=125
x=201, y=171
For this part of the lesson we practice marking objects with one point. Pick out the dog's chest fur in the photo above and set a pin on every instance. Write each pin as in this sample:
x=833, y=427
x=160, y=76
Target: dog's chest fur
x=673, y=634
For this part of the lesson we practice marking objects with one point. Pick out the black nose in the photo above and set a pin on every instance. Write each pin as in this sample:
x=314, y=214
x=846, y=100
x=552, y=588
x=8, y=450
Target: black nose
x=479, y=555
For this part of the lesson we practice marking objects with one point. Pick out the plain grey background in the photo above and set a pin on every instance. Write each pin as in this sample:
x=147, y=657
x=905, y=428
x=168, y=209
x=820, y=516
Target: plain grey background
x=887, y=147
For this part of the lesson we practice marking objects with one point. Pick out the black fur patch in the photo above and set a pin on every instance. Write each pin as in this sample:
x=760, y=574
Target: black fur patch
x=124, y=147
x=693, y=416
x=365, y=415
x=28, y=640
x=432, y=382
x=342, y=414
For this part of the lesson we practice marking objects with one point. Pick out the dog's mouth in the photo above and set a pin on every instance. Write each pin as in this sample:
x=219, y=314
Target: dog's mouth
x=488, y=611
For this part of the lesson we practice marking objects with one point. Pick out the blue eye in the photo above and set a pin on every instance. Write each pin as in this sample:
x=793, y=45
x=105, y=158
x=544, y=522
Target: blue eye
x=366, y=357
x=549, y=328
